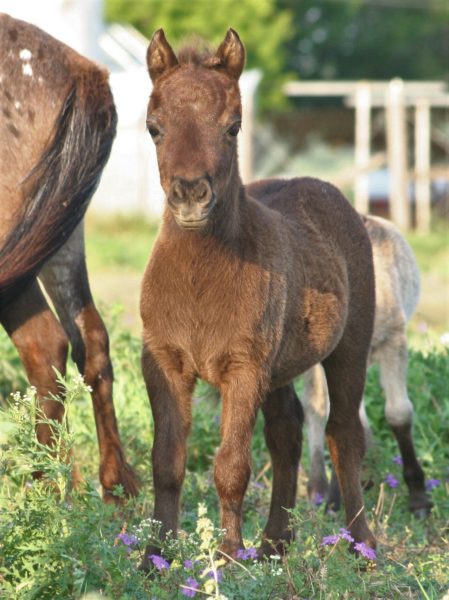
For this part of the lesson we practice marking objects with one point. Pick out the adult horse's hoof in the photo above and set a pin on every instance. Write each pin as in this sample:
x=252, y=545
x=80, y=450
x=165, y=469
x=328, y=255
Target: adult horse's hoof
x=129, y=482
x=421, y=513
x=420, y=505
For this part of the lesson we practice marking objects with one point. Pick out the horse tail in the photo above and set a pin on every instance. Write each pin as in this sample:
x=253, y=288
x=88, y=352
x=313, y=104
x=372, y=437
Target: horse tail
x=59, y=187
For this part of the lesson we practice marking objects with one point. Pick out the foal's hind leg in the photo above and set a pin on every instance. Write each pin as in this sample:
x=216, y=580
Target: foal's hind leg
x=283, y=433
x=65, y=279
x=345, y=372
x=42, y=346
x=392, y=358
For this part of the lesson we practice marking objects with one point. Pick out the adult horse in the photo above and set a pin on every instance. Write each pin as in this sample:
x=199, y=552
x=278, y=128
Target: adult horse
x=247, y=288
x=397, y=294
x=57, y=126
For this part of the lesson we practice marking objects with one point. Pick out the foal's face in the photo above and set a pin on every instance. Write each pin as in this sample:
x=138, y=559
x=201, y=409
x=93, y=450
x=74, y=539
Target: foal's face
x=194, y=117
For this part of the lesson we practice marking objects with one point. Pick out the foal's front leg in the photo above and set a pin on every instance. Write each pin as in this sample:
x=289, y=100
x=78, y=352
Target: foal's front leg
x=170, y=397
x=241, y=399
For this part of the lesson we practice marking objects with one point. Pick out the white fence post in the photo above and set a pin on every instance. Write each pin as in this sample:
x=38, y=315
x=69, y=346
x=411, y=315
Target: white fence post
x=422, y=165
x=362, y=146
x=397, y=154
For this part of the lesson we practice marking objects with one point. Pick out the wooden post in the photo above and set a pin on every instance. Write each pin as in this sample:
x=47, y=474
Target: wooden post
x=397, y=154
x=422, y=165
x=362, y=146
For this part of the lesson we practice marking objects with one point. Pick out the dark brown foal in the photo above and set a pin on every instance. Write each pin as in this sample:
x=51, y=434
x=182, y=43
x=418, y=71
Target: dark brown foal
x=246, y=288
x=57, y=128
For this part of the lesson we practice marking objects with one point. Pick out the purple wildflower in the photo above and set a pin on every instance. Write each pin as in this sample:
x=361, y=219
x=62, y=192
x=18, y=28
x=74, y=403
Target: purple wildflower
x=318, y=498
x=188, y=564
x=398, y=460
x=128, y=540
x=330, y=540
x=245, y=554
x=422, y=327
x=391, y=481
x=365, y=550
x=432, y=484
x=212, y=575
x=345, y=535
x=159, y=562
x=190, y=583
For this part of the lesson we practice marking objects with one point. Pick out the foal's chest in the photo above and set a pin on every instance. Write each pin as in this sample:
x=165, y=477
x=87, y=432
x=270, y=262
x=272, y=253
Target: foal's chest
x=206, y=320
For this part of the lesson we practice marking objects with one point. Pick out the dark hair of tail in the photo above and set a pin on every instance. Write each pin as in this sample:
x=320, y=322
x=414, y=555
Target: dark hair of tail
x=60, y=186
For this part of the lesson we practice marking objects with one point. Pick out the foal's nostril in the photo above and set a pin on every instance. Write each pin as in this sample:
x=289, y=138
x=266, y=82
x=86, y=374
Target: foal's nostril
x=191, y=190
x=177, y=190
x=202, y=190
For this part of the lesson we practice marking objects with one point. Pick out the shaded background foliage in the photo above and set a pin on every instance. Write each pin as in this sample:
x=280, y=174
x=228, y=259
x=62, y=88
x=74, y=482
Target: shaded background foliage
x=375, y=39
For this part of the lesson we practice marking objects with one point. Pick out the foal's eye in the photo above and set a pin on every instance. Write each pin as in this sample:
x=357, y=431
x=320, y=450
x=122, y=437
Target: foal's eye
x=154, y=131
x=234, y=129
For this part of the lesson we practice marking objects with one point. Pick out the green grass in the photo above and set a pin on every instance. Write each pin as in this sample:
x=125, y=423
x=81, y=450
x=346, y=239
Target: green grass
x=432, y=250
x=119, y=243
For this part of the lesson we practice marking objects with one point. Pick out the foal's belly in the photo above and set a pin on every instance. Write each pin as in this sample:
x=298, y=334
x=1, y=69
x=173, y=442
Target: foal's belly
x=311, y=335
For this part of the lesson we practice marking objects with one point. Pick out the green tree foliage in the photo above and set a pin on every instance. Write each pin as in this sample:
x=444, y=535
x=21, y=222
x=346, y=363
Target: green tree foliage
x=369, y=39
x=263, y=27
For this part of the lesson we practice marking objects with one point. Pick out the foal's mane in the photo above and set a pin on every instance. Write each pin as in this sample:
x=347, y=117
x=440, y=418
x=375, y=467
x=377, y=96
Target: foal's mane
x=196, y=51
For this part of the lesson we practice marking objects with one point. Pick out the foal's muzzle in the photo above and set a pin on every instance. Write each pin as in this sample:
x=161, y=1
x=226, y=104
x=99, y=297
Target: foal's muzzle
x=191, y=201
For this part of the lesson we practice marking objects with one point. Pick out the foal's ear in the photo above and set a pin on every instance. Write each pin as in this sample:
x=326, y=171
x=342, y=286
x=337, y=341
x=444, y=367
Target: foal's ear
x=160, y=56
x=230, y=55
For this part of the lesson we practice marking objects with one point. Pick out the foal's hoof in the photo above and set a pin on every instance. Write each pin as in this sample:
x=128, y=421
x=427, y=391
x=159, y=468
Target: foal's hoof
x=230, y=550
x=365, y=549
x=332, y=509
x=269, y=548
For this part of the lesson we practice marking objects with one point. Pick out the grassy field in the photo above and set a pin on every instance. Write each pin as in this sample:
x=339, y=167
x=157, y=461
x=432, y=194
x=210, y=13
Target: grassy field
x=60, y=546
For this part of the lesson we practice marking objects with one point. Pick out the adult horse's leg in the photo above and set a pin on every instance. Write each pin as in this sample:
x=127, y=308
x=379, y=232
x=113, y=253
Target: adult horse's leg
x=241, y=396
x=42, y=346
x=345, y=370
x=315, y=402
x=392, y=358
x=65, y=279
x=171, y=408
x=283, y=433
